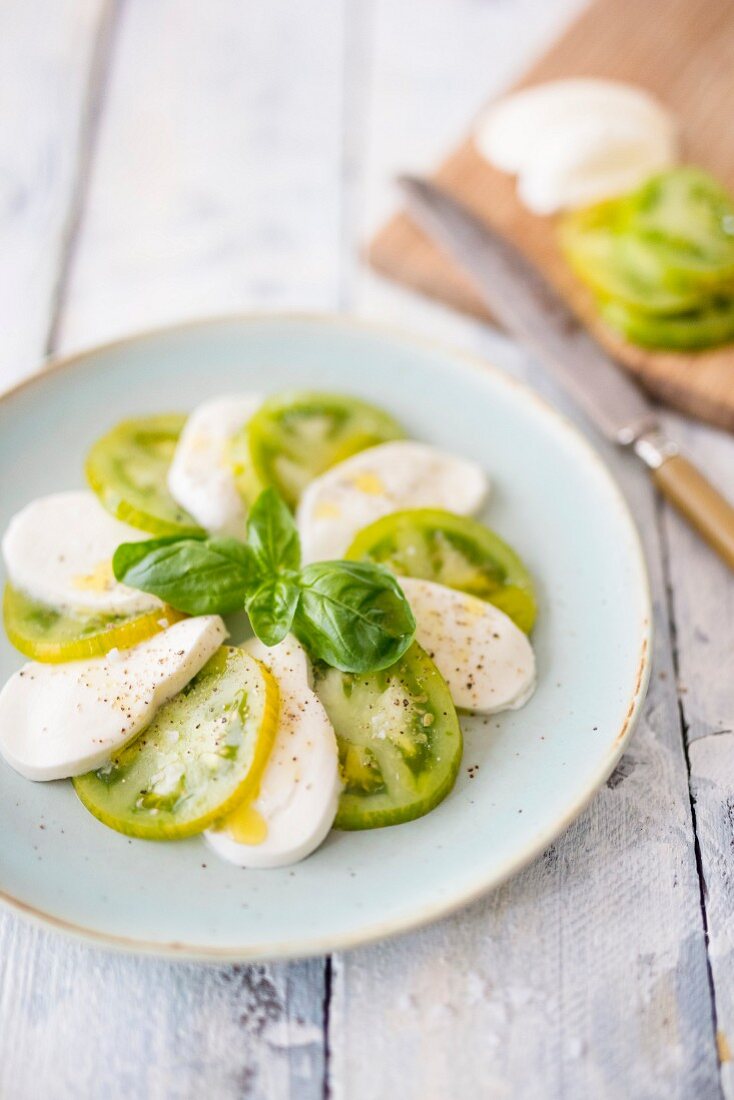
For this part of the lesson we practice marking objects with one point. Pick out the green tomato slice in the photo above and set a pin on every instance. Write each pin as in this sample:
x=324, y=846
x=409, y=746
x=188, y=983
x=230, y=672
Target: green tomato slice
x=203, y=753
x=664, y=248
x=44, y=633
x=294, y=437
x=689, y=218
x=399, y=740
x=693, y=330
x=128, y=467
x=439, y=546
x=619, y=265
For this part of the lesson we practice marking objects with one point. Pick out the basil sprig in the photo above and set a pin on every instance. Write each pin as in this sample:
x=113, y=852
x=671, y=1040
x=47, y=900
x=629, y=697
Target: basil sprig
x=352, y=615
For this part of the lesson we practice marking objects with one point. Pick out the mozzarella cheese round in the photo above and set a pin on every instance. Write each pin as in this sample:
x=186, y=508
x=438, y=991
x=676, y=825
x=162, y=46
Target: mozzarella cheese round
x=299, y=791
x=200, y=477
x=58, y=550
x=574, y=142
x=378, y=481
x=487, y=661
x=57, y=721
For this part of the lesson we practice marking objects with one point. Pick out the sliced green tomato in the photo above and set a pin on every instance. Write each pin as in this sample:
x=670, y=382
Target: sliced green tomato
x=662, y=248
x=203, y=753
x=618, y=265
x=399, y=740
x=453, y=550
x=689, y=217
x=706, y=327
x=294, y=437
x=45, y=634
x=128, y=469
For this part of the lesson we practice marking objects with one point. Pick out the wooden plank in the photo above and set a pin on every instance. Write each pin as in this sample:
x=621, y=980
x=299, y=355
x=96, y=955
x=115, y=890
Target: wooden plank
x=420, y=97
x=215, y=186
x=712, y=787
x=81, y=1022
x=702, y=593
x=586, y=975
x=682, y=51
x=48, y=54
x=48, y=65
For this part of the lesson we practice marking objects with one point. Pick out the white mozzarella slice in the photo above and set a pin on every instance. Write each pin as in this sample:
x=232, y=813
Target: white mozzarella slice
x=487, y=661
x=297, y=801
x=573, y=142
x=200, y=477
x=58, y=550
x=509, y=129
x=58, y=721
x=380, y=480
x=588, y=160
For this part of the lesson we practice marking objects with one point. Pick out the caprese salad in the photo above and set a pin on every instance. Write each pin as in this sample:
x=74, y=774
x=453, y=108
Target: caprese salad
x=378, y=607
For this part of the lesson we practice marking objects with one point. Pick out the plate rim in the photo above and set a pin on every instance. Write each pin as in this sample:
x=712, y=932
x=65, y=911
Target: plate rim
x=311, y=946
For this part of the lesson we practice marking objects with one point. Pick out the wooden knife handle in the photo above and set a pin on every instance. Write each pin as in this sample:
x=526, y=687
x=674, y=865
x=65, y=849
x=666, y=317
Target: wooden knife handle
x=703, y=506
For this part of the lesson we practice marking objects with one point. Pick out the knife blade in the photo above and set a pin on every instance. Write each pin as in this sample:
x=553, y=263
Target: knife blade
x=532, y=311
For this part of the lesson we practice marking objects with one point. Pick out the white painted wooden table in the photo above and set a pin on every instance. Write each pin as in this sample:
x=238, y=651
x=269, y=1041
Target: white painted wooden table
x=162, y=159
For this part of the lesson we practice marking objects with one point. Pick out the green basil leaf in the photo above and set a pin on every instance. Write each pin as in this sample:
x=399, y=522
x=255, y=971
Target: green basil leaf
x=271, y=609
x=353, y=615
x=201, y=576
x=272, y=534
x=129, y=554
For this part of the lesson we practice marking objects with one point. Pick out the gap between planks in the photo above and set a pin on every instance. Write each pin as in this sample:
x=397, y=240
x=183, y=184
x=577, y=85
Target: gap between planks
x=94, y=101
x=664, y=538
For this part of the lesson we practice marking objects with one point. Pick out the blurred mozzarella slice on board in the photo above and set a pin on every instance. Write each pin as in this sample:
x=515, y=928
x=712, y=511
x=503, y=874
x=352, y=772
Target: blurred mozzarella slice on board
x=380, y=480
x=574, y=142
x=57, y=721
x=58, y=550
x=296, y=804
x=487, y=661
x=201, y=478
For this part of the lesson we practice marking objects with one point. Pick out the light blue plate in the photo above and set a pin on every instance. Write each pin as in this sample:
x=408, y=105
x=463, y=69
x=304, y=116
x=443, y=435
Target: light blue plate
x=537, y=768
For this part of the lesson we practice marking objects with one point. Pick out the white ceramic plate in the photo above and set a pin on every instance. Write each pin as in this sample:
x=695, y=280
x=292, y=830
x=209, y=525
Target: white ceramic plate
x=536, y=768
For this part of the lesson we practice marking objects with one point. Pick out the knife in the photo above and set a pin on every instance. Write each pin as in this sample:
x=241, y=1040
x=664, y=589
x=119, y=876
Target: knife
x=531, y=310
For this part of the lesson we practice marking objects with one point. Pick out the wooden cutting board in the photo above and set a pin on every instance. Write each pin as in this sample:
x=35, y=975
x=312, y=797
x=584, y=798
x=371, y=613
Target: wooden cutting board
x=683, y=52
